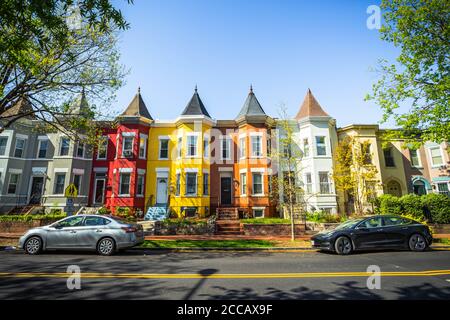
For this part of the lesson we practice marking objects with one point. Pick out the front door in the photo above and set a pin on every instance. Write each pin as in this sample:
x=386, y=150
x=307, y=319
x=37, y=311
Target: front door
x=99, y=191
x=37, y=186
x=225, y=190
x=161, y=195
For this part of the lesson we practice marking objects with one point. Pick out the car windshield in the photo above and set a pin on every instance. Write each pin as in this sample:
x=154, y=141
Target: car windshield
x=348, y=224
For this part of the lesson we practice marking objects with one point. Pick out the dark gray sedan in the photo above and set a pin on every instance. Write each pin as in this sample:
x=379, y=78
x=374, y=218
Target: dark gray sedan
x=104, y=234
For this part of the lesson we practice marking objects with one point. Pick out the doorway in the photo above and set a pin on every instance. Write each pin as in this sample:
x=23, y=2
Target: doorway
x=99, y=195
x=225, y=190
x=37, y=187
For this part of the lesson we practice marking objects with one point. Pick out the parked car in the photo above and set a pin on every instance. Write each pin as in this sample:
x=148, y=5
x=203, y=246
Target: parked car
x=104, y=234
x=375, y=232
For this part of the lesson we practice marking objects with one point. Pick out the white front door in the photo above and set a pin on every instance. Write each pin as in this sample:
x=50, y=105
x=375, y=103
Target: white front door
x=161, y=190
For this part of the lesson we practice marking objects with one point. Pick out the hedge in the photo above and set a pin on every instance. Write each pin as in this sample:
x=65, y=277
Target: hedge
x=432, y=207
x=31, y=217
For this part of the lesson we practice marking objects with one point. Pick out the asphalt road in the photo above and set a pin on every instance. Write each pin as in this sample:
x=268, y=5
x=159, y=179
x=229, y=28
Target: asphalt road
x=226, y=275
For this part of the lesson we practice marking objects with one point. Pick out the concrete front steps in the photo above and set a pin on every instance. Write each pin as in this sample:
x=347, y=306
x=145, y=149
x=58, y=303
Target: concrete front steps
x=227, y=222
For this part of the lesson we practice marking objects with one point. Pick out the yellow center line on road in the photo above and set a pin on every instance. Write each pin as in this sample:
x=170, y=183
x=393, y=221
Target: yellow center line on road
x=224, y=275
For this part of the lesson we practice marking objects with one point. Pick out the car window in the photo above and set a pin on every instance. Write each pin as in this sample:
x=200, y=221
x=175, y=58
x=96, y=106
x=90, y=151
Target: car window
x=71, y=222
x=371, y=223
x=96, y=221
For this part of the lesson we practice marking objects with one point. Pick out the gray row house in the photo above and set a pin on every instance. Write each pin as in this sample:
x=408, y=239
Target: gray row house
x=37, y=165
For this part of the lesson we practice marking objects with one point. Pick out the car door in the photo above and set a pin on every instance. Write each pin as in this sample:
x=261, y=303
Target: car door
x=93, y=228
x=396, y=229
x=62, y=235
x=369, y=233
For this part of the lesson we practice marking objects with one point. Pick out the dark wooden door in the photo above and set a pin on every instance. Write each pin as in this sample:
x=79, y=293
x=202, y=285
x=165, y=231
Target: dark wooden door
x=225, y=191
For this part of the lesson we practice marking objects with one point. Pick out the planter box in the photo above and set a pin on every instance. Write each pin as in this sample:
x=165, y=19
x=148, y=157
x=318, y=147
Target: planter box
x=441, y=228
x=271, y=229
x=165, y=230
x=316, y=226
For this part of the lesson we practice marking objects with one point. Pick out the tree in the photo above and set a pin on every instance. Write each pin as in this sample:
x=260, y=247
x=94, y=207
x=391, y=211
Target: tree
x=52, y=52
x=354, y=174
x=287, y=186
x=420, y=79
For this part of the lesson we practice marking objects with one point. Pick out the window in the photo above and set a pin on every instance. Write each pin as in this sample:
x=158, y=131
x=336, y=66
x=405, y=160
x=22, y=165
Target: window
x=77, y=182
x=60, y=179
x=206, y=147
x=225, y=148
x=140, y=185
x=306, y=147
x=143, y=147
x=258, y=213
x=96, y=221
x=308, y=183
x=324, y=183
x=242, y=148
x=71, y=222
x=415, y=160
x=287, y=150
x=13, y=183
x=64, y=148
x=365, y=150
x=3, y=141
x=178, y=185
x=191, y=184
x=42, y=149
x=192, y=146
x=436, y=156
x=164, y=149
x=80, y=150
x=257, y=183
x=320, y=146
x=395, y=221
x=256, y=146
x=243, y=184
x=180, y=147
x=371, y=223
x=127, y=147
x=20, y=146
x=124, y=188
x=443, y=188
x=388, y=157
x=205, y=184
x=102, y=148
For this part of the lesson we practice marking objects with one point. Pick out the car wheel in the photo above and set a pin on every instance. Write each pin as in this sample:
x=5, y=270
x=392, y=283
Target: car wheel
x=343, y=245
x=33, y=245
x=106, y=246
x=417, y=242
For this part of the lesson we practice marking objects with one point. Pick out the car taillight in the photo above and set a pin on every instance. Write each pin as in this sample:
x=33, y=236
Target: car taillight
x=129, y=229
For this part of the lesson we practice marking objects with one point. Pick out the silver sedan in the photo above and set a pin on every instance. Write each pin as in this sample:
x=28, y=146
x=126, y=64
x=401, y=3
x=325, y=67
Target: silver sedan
x=104, y=234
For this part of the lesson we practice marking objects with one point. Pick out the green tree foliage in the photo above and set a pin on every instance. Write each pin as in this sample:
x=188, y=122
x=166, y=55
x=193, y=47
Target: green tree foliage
x=52, y=50
x=420, y=79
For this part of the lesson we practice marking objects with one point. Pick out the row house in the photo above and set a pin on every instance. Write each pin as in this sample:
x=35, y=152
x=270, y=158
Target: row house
x=195, y=164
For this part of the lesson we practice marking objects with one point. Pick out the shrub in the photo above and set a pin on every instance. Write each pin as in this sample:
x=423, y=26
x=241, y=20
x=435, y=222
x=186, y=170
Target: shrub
x=323, y=217
x=412, y=205
x=389, y=204
x=438, y=207
x=31, y=217
x=103, y=211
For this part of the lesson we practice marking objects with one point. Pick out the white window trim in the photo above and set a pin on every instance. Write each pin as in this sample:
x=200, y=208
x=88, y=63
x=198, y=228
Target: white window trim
x=100, y=169
x=84, y=150
x=192, y=134
x=129, y=134
x=261, y=146
x=431, y=157
x=179, y=147
x=141, y=171
x=125, y=170
x=243, y=194
x=262, y=184
x=56, y=173
x=78, y=171
x=325, y=145
x=39, y=147
x=20, y=137
x=259, y=208
x=244, y=138
x=61, y=170
x=228, y=139
x=81, y=180
x=206, y=152
x=191, y=170
x=161, y=139
x=9, y=181
x=196, y=183
x=104, y=139
x=140, y=195
x=61, y=145
x=123, y=145
x=418, y=158
x=8, y=139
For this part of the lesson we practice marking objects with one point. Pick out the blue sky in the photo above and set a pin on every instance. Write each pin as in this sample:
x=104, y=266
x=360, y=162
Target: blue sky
x=281, y=47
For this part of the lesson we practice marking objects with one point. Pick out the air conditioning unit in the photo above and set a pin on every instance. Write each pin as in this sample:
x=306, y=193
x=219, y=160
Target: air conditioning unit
x=128, y=153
